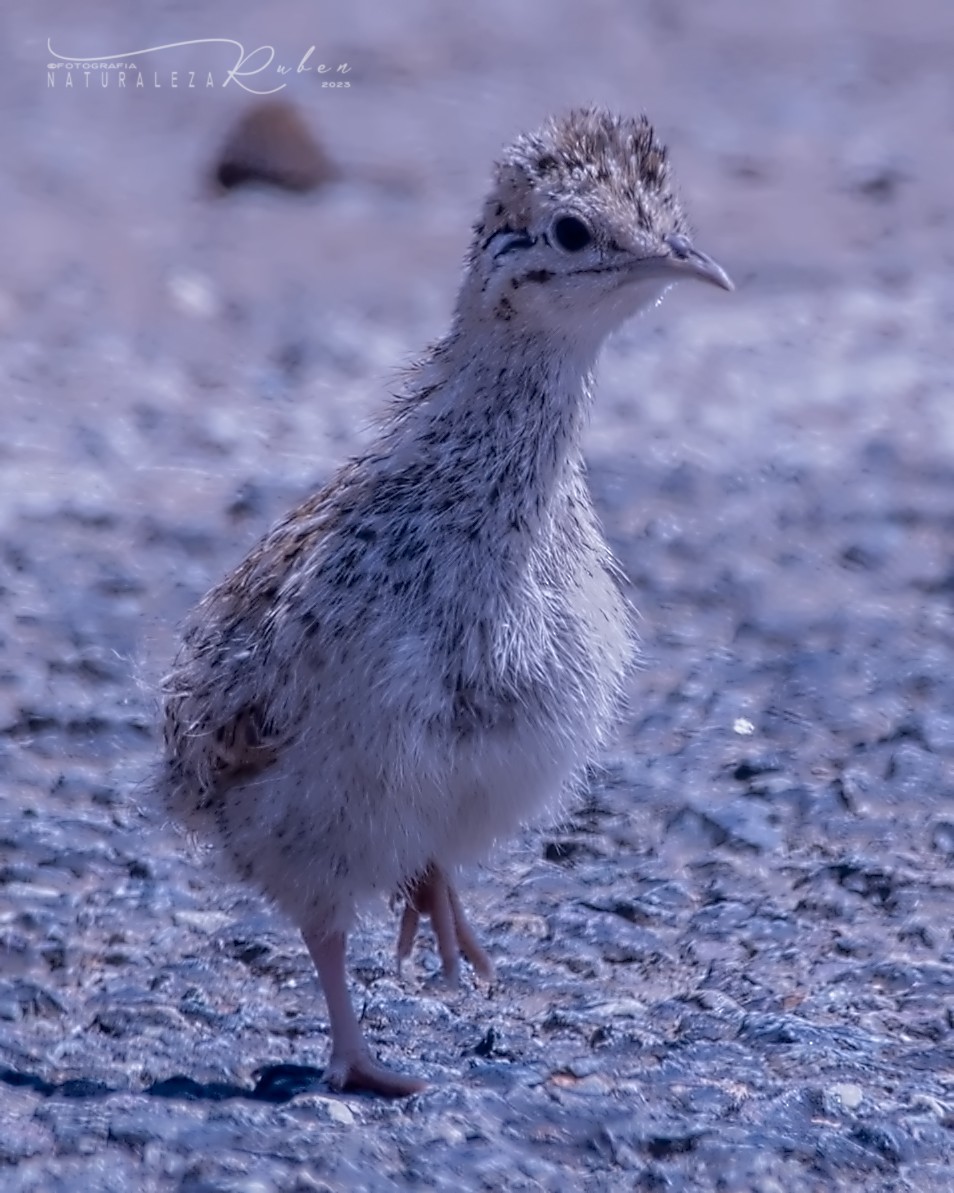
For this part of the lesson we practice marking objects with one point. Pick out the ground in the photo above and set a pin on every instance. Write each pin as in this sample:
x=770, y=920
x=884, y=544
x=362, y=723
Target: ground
x=732, y=966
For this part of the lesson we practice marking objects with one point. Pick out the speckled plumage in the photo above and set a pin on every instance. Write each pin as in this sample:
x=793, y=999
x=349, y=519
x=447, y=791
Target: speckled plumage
x=423, y=654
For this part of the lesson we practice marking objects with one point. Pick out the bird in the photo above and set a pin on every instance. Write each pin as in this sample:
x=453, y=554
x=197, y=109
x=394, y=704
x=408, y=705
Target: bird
x=428, y=651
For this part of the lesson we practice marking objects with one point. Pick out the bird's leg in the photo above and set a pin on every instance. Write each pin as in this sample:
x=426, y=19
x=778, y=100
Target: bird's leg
x=351, y=1065
x=470, y=946
x=432, y=895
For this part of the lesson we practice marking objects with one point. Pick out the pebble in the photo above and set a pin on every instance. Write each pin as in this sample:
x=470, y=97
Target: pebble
x=850, y=1096
x=192, y=294
x=203, y=921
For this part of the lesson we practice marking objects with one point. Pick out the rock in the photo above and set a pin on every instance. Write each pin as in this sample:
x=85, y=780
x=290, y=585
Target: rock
x=850, y=1096
x=271, y=144
x=193, y=294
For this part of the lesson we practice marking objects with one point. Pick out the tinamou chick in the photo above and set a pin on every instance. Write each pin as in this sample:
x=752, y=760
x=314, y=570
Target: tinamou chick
x=426, y=652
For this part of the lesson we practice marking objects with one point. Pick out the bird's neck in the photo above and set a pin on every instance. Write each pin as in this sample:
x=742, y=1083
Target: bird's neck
x=499, y=418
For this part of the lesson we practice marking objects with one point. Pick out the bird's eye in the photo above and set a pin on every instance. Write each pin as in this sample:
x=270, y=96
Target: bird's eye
x=570, y=233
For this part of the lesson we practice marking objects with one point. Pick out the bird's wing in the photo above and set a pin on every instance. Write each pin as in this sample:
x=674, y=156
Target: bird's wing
x=242, y=747
x=222, y=725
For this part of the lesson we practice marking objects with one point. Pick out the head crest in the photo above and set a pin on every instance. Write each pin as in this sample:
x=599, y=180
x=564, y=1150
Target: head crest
x=587, y=154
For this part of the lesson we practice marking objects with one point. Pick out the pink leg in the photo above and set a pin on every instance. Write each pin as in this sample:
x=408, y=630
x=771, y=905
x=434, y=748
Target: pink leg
x=351, y=1065
x=432, y=895
x=470, y=946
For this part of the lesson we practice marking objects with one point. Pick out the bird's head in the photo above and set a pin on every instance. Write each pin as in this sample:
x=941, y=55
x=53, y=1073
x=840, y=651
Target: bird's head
x=581, y=229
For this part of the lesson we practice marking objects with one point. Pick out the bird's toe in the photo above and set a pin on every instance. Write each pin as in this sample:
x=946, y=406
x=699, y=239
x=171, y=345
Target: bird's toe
x=359, y=1071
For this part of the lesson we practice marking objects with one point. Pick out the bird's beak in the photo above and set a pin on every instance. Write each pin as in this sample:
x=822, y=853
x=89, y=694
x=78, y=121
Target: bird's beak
x=683, y=260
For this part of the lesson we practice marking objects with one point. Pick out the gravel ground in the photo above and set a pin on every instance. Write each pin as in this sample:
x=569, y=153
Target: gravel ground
x=732, y=966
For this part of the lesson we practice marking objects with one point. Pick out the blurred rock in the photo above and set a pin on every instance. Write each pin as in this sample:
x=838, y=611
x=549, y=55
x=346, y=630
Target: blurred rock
x=272, y=144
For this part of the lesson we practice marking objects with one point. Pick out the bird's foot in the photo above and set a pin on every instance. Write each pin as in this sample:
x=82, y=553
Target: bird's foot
x=351, y=1065
x=432, y=895
x=360, y=1071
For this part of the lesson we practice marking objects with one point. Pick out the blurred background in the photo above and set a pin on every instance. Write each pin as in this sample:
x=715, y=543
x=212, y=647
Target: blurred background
x=165, y=343
x=764, y=862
